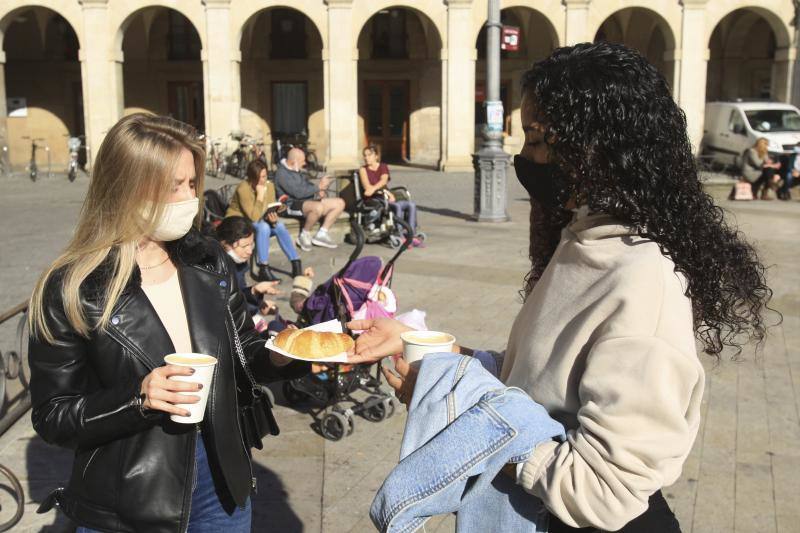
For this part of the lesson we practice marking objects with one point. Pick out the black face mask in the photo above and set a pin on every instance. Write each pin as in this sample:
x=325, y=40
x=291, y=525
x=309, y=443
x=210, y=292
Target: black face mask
x=539, y=179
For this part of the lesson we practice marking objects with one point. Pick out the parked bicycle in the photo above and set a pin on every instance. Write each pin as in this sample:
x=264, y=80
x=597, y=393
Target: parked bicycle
x=284, y=142
x=5, y=164
x=33, y=168
x=216, y=163
x=74, y=146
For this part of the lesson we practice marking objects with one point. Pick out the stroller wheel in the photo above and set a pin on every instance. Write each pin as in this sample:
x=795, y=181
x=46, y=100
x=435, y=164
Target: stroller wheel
x=392, y=404
x=333, y=426
x=351, y=423
x=378, y=412
x=421, y=236
x=395, y=241
x=292, y=395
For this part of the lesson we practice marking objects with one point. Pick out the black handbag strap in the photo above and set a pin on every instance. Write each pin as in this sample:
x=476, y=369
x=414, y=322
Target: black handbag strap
x=240, y=353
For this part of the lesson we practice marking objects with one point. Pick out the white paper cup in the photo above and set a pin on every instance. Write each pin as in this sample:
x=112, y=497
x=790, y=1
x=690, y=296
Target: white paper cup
x=203, y=373
x=417, y=344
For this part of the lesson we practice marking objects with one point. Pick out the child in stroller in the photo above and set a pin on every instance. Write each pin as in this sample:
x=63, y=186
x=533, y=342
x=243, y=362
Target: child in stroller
x=362, y=284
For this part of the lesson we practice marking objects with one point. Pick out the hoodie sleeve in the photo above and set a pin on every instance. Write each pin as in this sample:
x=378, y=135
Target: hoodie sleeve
x=635, y=430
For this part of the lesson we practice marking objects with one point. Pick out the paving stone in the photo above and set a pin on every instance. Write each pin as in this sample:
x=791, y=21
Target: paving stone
x=742, y=474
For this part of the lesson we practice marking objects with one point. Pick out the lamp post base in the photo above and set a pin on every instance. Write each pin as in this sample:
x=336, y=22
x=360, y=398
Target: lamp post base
x=490, y=164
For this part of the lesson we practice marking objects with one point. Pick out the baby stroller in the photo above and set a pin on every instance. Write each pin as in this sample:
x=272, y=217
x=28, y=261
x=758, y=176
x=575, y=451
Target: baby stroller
x=377, y=219
x=339, y=298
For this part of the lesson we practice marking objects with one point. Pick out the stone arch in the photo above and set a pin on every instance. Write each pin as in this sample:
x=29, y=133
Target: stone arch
x=745, y=59
x=13, y=8
x=645, y=30
x=282, y=89
x=245, y=17
x=41, y=49
x=132, y=10
x=400, y=84
x=781, y=29
x=160, y=51
x=434, y=16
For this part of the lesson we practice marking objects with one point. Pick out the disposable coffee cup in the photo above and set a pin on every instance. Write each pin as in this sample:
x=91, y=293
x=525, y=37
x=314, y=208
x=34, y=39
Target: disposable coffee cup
x=417, y=344
x=203, y=373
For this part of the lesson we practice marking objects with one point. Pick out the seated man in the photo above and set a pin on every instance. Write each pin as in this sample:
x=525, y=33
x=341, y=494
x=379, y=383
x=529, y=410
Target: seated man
x=309, y=198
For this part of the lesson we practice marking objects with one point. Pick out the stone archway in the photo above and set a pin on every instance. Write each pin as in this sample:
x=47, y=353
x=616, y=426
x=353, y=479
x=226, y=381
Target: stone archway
x=162, y=71
x=400, y=86
x=42, y=82
x=281, y=77
x=646, y=31
x=743, y=58
x=538, y=39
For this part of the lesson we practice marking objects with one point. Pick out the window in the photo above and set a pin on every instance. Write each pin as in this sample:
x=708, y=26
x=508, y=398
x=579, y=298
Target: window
x=287, y=35
x=183, y=43
x=289, y=108
x=766, y=120
x=735, y=123
x=389, y=35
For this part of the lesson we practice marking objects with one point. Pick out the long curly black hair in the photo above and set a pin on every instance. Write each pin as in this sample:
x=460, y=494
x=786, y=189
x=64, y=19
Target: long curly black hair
x=621, y=145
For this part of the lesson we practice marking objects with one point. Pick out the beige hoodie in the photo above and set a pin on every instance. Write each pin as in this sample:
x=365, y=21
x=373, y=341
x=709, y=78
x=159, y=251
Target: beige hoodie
x=605, y=343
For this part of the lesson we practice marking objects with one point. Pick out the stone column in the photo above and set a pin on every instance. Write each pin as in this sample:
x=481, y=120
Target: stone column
x=691, y=94
x=3, y=109
x=219, y=60
x=577, y=20
x=781, y=73
x=340, y=80
x=101, y=75
x=458, y=91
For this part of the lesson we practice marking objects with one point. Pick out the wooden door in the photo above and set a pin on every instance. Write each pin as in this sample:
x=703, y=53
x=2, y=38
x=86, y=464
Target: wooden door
x=387, y=114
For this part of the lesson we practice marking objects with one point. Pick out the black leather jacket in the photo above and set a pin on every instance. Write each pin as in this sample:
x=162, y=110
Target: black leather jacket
x=133, y=469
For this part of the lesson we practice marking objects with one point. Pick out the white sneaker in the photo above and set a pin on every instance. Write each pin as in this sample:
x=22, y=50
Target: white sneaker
x=323, y=240
x=304, y=241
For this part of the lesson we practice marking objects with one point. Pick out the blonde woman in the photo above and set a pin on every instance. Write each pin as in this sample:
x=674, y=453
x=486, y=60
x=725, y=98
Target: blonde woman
x=760, y=170
x=136, y=283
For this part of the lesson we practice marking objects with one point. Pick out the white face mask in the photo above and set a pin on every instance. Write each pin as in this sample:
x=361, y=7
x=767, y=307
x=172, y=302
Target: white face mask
x=177, y=220
x=236, y=259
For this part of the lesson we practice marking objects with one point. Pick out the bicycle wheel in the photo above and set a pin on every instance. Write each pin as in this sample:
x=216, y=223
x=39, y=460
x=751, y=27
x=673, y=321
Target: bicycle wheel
x=312, y=165
x=15, y=489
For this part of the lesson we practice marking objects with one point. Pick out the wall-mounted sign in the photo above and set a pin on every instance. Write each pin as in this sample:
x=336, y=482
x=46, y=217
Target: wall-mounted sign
x=17, y=107
x=509, y=39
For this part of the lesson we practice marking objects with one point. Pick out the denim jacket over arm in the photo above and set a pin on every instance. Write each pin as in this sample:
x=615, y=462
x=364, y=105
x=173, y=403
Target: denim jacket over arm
x=463, y=426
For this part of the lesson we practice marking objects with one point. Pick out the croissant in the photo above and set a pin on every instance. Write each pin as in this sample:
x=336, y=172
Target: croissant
x=312, y=344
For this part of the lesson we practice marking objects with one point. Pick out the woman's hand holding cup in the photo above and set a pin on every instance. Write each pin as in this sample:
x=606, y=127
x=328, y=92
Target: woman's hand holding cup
x=402, y=380
x=161, y=393
x=380, y=338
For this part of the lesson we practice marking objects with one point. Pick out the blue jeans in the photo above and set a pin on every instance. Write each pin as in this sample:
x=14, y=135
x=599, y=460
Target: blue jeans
x=406, y=210
x=208, y=514
x=264, y=231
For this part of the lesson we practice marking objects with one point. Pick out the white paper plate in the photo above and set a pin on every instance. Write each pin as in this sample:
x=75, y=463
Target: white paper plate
x=333, y=326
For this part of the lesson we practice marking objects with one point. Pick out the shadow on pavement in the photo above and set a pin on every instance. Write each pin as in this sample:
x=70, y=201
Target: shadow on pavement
x=445, y=212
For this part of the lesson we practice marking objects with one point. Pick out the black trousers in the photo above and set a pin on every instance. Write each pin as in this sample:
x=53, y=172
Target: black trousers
x=658, y=518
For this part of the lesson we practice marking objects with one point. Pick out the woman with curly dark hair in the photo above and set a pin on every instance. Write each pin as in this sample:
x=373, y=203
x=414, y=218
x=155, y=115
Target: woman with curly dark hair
x=631, y=262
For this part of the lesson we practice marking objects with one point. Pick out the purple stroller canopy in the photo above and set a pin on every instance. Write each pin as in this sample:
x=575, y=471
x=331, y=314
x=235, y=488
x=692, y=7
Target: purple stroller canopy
x=356, y=283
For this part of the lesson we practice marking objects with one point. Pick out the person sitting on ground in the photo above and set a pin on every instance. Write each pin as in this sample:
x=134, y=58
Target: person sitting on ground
x=235, y=234
x=374, y=177
x=760, y=170
x=312, y=199
x=250, y=200
x=791, y=175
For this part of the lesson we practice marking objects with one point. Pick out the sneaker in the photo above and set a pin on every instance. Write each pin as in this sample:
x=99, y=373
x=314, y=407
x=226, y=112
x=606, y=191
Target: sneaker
x=304, y=242
x=323, y=240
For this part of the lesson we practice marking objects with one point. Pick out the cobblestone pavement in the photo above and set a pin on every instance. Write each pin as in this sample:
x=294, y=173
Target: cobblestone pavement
x=744, y=471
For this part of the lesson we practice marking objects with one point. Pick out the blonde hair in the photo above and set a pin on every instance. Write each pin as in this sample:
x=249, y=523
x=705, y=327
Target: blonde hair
x=762, y=147
x=131, y=180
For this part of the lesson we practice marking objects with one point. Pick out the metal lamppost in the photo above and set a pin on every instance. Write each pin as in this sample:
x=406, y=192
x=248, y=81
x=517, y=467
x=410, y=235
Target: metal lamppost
x=491, y=161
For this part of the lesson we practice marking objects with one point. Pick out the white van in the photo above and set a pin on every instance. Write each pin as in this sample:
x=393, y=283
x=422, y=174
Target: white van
x=733, y=127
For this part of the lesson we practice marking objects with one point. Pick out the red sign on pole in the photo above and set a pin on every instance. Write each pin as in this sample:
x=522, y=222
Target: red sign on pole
x=509, y=39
